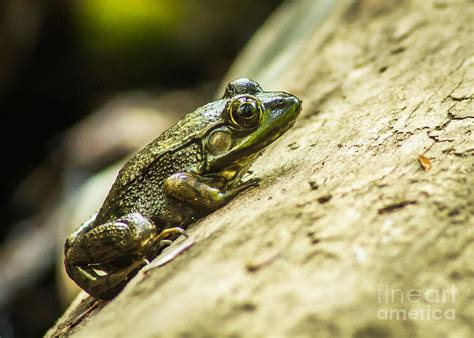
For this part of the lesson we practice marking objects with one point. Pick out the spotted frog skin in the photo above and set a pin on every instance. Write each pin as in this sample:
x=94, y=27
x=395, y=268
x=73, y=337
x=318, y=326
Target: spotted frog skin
x=192, y=169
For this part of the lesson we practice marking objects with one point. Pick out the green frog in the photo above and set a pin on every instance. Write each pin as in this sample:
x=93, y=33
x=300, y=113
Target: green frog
x=190, y=170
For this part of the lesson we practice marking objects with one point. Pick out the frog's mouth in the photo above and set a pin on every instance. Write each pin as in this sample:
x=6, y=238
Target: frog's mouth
x=278, y=133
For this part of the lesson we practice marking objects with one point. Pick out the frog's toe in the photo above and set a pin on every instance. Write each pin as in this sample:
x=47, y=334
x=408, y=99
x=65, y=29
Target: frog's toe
x=172, y=231
x=164, y=242
x=253, y=182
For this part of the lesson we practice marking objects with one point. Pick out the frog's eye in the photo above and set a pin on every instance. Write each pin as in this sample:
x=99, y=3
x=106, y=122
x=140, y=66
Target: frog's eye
x=244, y=111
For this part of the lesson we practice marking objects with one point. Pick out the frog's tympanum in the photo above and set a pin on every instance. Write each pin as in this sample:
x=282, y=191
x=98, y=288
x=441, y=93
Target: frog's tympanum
x=192, y=169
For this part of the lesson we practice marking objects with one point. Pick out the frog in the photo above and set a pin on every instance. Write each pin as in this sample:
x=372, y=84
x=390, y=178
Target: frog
x=192, y=169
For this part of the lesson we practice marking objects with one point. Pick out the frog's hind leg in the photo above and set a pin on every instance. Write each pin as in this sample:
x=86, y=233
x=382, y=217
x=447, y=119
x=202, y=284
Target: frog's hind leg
x=102, y=285
x=130, y=235
x=102, y=258
x=84, y=228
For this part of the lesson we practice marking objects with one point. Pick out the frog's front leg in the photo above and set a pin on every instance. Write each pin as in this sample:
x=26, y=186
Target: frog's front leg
x=206, y=193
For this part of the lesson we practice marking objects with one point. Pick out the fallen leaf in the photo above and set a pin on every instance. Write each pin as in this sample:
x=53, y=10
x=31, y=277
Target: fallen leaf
x=425, y=162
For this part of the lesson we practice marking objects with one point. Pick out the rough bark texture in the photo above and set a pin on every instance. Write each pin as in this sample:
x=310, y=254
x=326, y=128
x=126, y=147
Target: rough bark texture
x=344, y=206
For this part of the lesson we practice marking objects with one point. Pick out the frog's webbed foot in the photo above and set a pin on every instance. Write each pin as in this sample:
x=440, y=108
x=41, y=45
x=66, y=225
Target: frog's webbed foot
x=204, y=192
x=253, y=182
x=101, y=259
x=100, y=284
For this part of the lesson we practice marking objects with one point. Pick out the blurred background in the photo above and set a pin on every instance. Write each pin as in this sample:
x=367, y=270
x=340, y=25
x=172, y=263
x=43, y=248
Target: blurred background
x=83, y=83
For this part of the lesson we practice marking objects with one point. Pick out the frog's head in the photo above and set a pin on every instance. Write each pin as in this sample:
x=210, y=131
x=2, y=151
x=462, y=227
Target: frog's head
x=252, y=119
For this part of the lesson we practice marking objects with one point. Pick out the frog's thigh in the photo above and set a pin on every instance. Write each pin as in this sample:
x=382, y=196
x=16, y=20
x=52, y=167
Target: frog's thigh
x=129, y=235
x=201, y=192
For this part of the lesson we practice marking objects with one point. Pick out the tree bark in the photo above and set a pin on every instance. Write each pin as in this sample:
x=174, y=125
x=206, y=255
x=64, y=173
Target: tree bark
x=366, y=206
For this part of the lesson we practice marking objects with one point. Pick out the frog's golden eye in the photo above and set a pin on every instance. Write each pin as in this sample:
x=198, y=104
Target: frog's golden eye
x=244, y=111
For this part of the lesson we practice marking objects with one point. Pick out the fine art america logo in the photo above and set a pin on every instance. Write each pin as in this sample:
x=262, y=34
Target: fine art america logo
x=416, y=304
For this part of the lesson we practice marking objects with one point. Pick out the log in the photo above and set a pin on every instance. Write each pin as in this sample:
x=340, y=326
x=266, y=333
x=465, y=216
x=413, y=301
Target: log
x=363, y=223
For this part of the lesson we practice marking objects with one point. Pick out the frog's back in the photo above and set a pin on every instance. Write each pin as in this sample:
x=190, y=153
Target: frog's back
x=137, y=187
